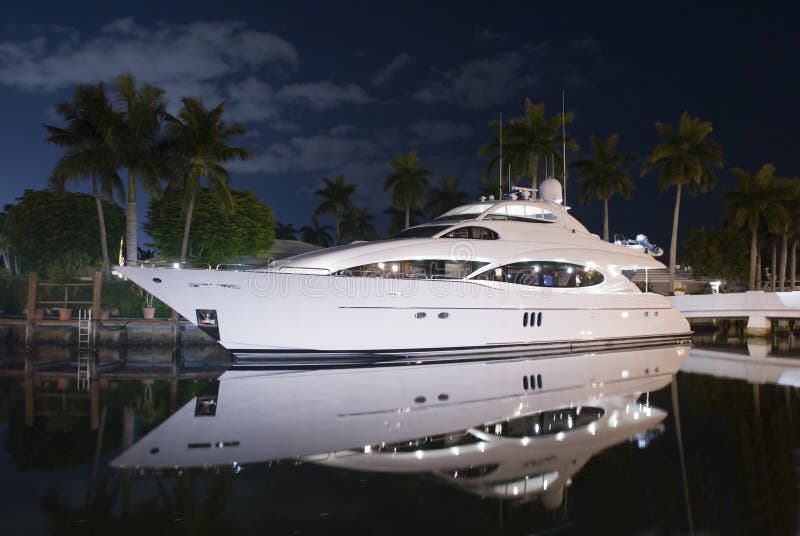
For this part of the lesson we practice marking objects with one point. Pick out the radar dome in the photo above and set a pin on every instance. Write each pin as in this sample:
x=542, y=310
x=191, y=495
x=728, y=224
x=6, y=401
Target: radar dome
x=550, y=191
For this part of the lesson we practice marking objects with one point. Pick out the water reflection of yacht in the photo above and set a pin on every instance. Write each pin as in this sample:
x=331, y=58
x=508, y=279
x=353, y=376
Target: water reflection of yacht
x=532, y=456
x=257, y=416
x=486, y=279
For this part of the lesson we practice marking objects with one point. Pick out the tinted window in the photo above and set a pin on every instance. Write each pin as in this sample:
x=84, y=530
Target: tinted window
x=415, y=269
x=544, y=274
x=423, y=231
x=476, y=233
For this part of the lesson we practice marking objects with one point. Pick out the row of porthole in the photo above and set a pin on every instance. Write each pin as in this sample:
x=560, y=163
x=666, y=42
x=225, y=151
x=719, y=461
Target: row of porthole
x=533, y=383
x=441, y=315
x=535, y=319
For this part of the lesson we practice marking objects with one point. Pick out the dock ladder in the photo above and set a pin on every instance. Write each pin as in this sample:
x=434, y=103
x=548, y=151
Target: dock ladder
x=84, y=348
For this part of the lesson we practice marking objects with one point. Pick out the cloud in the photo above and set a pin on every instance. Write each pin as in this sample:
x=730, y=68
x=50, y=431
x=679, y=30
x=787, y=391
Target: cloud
x=388, y=71
x=489, y=35
x=324, y=94
x=587, y=44
x=484, y=83
x=438, y=131
x=165, y=54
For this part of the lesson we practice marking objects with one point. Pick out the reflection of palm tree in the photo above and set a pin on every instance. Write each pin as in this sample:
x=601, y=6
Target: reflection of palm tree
x=408, y=181
x=685, y=157
x=440, y=200
x=200, y=138
x=336, y=201
x=602, y=176
x=87, y=155
x=316, y=233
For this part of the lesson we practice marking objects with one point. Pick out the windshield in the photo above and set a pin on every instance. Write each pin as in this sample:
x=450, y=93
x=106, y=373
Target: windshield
x=423, y=231
x=465, y=212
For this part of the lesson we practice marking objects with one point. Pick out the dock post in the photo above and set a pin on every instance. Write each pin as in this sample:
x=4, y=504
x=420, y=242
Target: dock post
x=30, y=326
x=758, y=326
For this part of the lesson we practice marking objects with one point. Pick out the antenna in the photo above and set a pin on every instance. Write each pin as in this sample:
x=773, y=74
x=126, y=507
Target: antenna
x=500, y=180
x=564, y=141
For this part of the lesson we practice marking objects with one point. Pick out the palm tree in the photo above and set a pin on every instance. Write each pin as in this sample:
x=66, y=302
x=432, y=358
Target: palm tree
x=397, y=219
x=527, y=139
x=285, y=231
x=316, y=233
x=200, y=139
x=685, y=158
x=440, y=200
x=87, y=155
x=358, y=224
x=335, y=201
x=602, y=176
x=747, y=204
x=409, y=181
x=134, y=136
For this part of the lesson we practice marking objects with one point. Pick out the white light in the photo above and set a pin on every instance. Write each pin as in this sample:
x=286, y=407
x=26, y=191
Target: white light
x=481, y=447
x=635, y=415
x=498, y=272
x=367, y=449
x=455, y=451
x=525, y=441
x=536, y=428
x=381, y=265
x=592, y=428
x=515, y=491
x=176, y=265
x=560, y=436
x=544, y=484
x=625, y=373
x=418, y=454
x=624, y=314
x=570, y=270
x=536, y=268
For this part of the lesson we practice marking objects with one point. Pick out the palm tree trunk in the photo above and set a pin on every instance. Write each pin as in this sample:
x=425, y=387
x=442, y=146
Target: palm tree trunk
x=673, y=247
x=759, y=271
x=186, y=228
x=336, y=228
x=793, y=265
x=784, y=254
x=131, y=221
x=408, y=215
x=535, y=172
x=102, y=222
x=753, y=256
x=774, y=263
x=605, y=220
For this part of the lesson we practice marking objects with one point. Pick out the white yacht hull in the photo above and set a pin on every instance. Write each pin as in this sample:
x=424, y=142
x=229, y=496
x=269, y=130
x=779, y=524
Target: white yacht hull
x=280, y=319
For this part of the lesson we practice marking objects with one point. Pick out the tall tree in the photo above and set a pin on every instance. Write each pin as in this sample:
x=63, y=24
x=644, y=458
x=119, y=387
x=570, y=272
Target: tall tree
x=526, y=140
x=685, y=157
x=316, y=233
x=748, y=203
x=336, y=201
x=135, y=138
x=602, y=177
x=440, y=200
x=408, y=181
x=285, y=231
x=200, y=140
x=358, y=224
x=86, y=153
x=397, y=219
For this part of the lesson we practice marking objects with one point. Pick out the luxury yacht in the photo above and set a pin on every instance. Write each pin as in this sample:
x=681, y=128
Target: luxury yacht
x=488, y=279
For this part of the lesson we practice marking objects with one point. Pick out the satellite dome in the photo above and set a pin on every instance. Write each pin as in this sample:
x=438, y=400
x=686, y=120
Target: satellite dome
x=550, y=191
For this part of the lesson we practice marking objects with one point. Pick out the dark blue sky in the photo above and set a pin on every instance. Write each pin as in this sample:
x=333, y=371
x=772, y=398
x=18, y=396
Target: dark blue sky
x=329, y=88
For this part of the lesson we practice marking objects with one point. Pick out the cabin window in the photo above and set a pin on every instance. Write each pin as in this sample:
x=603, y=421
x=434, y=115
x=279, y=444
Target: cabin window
x=544, y=274
x=421, y=231
x=527, y=213
x=473, y=232
x=464, y=212
x=415, y=269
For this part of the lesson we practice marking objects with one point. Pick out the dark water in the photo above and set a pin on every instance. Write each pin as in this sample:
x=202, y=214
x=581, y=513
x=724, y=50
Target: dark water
x=739, y=431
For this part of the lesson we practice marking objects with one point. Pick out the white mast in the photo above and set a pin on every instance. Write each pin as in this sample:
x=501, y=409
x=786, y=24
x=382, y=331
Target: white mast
x=564, y=142
x=500, y=180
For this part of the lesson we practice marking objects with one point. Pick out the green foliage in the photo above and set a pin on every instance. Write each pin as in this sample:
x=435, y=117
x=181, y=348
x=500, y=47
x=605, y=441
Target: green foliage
x=719, y=253
x=217, y=235
x=55, y=232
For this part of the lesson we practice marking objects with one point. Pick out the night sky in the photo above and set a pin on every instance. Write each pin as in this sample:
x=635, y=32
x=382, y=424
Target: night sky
x=335, y=87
